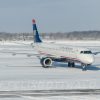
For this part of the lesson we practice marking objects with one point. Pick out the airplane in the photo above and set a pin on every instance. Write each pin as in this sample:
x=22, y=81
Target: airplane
x=50, y=52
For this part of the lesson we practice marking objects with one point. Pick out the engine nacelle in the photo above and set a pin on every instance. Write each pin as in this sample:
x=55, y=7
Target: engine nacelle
x=46, y=62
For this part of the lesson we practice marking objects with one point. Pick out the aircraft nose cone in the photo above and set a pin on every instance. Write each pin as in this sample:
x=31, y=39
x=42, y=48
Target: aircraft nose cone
x=91, y=60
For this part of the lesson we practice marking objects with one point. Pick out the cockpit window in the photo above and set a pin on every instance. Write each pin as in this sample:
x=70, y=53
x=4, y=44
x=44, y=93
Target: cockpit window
x=86, y=52
x=82, y=51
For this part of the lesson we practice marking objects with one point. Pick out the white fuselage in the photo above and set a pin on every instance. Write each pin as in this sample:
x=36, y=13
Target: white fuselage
x=82, y=55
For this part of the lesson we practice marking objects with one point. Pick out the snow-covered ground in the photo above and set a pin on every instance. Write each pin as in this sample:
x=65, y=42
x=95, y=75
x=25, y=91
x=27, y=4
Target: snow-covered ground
x=18, y=73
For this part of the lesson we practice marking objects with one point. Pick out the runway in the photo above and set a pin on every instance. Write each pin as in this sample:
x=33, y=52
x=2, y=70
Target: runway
x=47, y=94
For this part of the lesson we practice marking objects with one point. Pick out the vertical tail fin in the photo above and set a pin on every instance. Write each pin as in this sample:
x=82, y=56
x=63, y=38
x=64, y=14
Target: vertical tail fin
x=36, y=34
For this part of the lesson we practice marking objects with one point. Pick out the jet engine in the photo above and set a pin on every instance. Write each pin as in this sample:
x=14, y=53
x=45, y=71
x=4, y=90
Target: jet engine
x=46, y=62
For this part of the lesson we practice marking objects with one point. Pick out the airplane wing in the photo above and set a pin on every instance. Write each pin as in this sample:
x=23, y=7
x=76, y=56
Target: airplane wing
x=22, y=43
x=20, y=53
x=38, y=55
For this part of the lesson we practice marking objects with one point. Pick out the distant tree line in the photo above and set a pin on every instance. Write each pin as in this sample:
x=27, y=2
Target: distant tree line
x=76, y=35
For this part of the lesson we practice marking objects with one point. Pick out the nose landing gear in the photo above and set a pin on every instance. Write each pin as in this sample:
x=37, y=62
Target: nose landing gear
x=83, y=67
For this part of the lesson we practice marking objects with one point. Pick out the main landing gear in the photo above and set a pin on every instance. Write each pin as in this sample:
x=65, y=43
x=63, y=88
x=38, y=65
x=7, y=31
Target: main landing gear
x=83, y=67
x=71, y=64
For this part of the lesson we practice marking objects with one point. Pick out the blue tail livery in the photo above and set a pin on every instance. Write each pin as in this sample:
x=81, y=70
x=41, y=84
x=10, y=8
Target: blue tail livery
x=36, y=34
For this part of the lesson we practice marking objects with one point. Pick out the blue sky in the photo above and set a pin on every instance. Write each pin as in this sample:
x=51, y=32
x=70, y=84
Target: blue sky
x=51, y=15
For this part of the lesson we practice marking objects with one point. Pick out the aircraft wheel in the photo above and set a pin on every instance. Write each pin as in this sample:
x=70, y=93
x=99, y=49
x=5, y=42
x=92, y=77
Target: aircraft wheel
x=84, y=67
x=73, y=64
x=69, y=64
